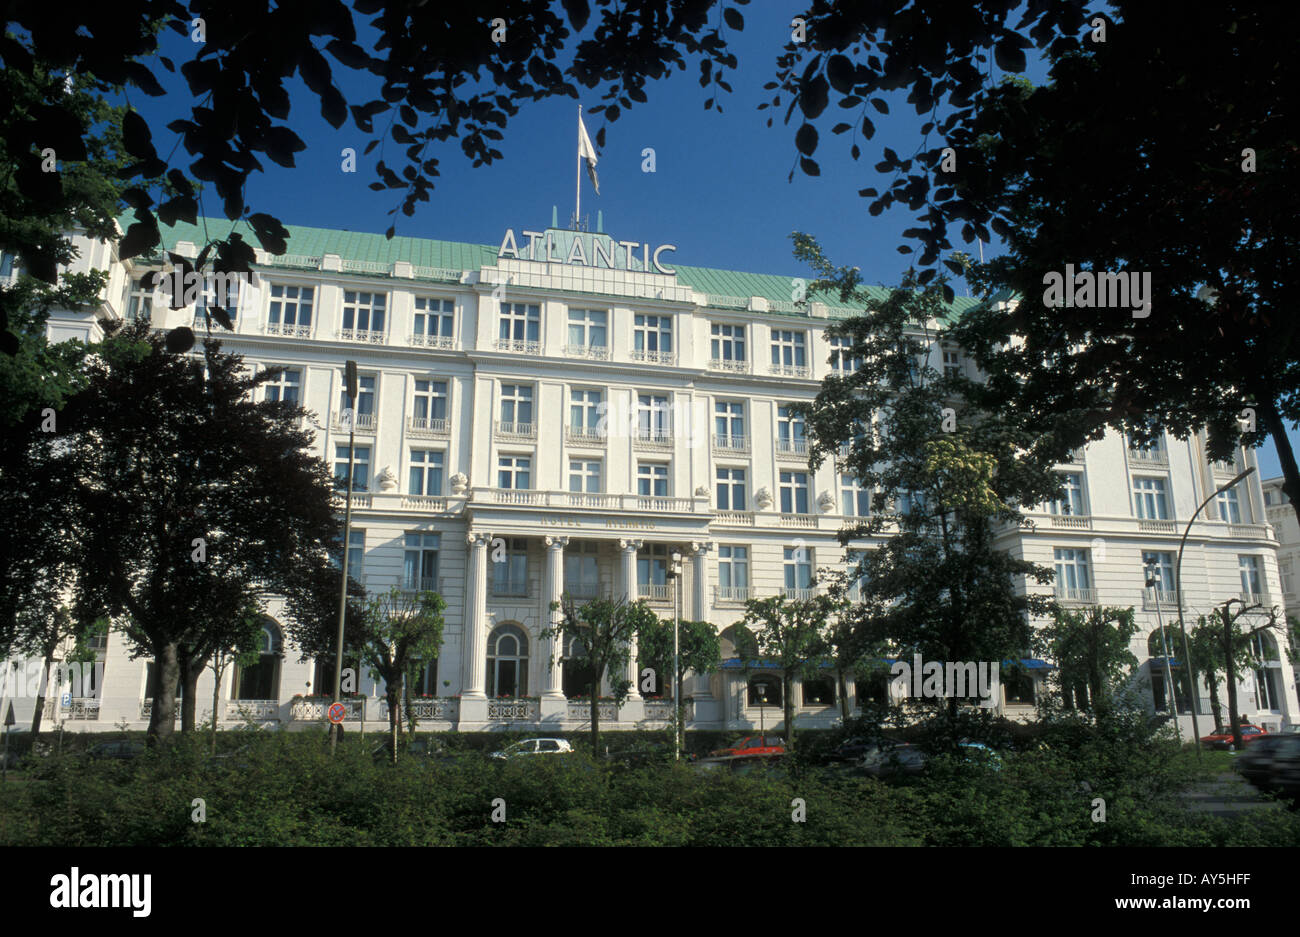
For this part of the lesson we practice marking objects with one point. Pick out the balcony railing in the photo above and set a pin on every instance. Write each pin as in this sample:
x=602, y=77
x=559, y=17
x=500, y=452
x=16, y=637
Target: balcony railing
x=365, y=423
x=516, y=430
x=514, y=710
x=1073, y=595
x=433, y=341
x=662, y=710
x=1167, y=598
x=732, y=594
x=722, y=443
x=1149, y=456
x=655, y=592
x=425, y=584
x=593, y=352
x=517, y=496
x=437, y=709
x=587, y=590
x=315, y=708
x=790, y=370
x=1157, y=526
x=644, y=503
x=797, y=447
x=572, y=499
x=509, y=587
x=428, y=426
x=653, y=439
x=582, y=499
x=1257, y=598
x=585, y=435
x=729, y=364
x=288, y=330
x=82, y=708
x=146, y=709
x=518, y=346
x=734, y=518
x=1226, y=468
x=655, y=357
x=798, y=520
x=1072, y=521
x=579, y=710
x=1074, y=456
x=366, y=336
x=259, y=709
x=798, y=595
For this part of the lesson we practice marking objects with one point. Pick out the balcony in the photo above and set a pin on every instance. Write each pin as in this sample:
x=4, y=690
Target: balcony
x=798, y=520
x=82, y=708
x=1072, y=521
x=798, y=595
x=259, y=710
x=435, y=709
x=509, y=587
x=427, y=584
x=1157, y=526
x=662, y=710
x=655, y=593
x=585, y=435
x=587, y=590
x=1151, y=456
x=653, y=439
x=734, y=518
x=729, y=365
x=365, y=336
x=792, y=448
x=1167, y=598
x=1258, y=598
x=314, y=708
x=433, y=341
x=668, y=358
x=1226, y=469
x=1072, y=595
x=518, y=346
x=573, y=499
x=365, y=423
x=428, y=426
x=648, y=503
x=146, y=709
x=288, y=329
x=1073, y=457
x=516, y=496
x=790, y=370
x=579, y=710
x=589, y=352
x=582, y=499
x=514, y=710
x=730, y=443
x=732, y=595
x=504, y=429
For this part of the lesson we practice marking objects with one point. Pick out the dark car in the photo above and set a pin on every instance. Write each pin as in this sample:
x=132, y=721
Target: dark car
x=1259, y=761
x=1283, y=766
x=892, y=760
x=853, y=750
x=123, y=750
x=738, y=764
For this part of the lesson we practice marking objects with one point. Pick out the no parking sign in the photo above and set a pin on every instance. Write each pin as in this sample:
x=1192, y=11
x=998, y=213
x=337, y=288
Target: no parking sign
x=336, y=712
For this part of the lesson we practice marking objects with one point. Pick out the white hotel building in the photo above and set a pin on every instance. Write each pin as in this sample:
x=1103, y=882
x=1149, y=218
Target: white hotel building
x=484, y=379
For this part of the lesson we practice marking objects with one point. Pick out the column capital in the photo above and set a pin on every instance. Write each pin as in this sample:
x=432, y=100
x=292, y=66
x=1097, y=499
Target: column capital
x=630, y=546
x=556, y=543
x=475, y=538
x=700, y=547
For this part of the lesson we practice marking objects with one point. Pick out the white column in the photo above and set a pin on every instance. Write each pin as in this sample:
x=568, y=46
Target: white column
x=553, y=647
x=700, y=612
x=629, y=548
x=475, y=639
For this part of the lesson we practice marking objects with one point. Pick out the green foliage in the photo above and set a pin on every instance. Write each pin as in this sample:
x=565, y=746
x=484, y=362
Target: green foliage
x=1091, y=650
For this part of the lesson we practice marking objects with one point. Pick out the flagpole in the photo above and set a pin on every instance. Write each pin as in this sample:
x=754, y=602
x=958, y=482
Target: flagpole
x=577, y=201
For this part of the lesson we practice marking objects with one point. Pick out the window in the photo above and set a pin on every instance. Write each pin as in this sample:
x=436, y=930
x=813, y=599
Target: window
x=285, y=386
x=652, y=415
x=579, y=674
x=1153, y=451
x=1149, y=499
x=586, y=407
x=1019, y=686
x=789, y=352
x=727, y=342
x=218, y=290
x=790, y=430
x=435, y=322
x=363, y=312
x=764, y=690
x=581, y=571
x=798, y=568
x=1160, y=566
x=429, y=405
x=510, y=574
x=910, y=502
x=652, y=479
x=517, y=408
x=652, y=570
x=520, y=327
x=819, y=691
x=1070, y=501
x=587, y=329
x=731, y=489
x=365, y=399
x=652, y=338
x=289, y=312
x=729, y=424
x=507, y=662
x=794, y=492
x=260, y=681
x=357, y=555
x=139, y=300
x=1229, y=508
x=426, y=471
x=360, y=467
x=1251, y=583
x=514, y=471
x=425, y=680
x=952, y=364
x=584, y=476
x=843, y=361
x=855, y=501
x=1073, y=580
x=420, y=562
x=733, y=573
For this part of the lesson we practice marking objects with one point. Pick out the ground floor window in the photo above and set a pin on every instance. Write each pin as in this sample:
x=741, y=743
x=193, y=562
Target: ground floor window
x=764, y=690
x=262, y=679
x=819, y=691
x=1019, y=687
x=579, y=677
x=507, y=662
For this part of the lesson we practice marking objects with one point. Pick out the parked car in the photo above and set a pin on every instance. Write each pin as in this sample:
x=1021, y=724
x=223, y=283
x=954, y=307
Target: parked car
x=122, y=750
x=1224, y=740
x=851, y=750
x=534, y=747
x=1264, y=759
x=892, y=760
x=738, y=764
x=753, y=745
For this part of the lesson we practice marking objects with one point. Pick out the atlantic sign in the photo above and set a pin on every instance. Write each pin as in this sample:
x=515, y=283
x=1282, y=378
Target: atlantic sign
x=602, y=249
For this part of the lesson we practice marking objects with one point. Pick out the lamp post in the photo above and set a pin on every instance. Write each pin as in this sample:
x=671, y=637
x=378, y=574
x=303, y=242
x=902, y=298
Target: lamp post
x=350, y=386
x=675, y=574
x=1178, y=589
x=762, y=700
x=1154, y=581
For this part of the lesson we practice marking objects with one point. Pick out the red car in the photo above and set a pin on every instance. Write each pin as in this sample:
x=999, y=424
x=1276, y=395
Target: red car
x=1249, y=733
x=753, y=745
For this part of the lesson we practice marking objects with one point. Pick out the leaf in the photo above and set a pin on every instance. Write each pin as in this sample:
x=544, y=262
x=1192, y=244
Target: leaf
x=140, y=238
x=805, y=139
x=948, y=295
x=733, y=18
x=880, y=105
x=840, y=128
x=840, y=72
x=809, y=166
x=813, y=97
x=1009, y=56
x=180, y=340
x=136, y=138
x=868, y=128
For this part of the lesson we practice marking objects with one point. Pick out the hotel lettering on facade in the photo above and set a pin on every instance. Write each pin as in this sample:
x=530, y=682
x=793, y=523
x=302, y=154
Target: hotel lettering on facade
x=528, y=426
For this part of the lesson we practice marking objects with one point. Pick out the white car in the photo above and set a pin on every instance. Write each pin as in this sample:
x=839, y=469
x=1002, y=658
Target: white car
x=534, y=747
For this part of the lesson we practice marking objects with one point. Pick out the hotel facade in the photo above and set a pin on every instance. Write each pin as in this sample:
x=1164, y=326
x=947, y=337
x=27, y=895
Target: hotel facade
x=567, y=412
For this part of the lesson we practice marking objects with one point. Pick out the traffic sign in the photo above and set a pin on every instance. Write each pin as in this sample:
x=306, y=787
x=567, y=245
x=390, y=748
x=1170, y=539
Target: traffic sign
x=336, y=712
x=67, y=700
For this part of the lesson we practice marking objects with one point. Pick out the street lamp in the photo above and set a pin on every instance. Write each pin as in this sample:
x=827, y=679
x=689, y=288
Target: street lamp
x=350, y=387
x=1154, y=582
x=762, y=701
x=675, y=574
x=1178, y=588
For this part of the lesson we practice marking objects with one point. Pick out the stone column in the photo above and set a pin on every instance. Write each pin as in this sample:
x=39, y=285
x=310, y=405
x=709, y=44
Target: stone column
x=634, y=709
x=705, y=705
x=473, y=700
x=553, y=648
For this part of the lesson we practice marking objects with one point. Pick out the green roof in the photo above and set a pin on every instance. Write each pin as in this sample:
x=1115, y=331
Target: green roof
x=369, y=248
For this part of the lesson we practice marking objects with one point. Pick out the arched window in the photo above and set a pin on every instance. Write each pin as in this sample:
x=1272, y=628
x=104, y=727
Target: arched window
x=764, y=690
x=507, y=662
x=579, y=675
x=261, y=681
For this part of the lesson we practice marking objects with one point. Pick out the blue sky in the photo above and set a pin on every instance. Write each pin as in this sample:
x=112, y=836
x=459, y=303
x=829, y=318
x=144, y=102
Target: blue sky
x=719, y=192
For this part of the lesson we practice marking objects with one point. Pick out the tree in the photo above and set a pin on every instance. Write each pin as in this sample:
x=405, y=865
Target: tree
x=944, y=476
x=192, y=495
x=241, y=651
x=698, y=650
x=791, y=633
x=1231, y=642
x=603, y=632
x=1091, y=650
x=1206, y=645
x=400, y=627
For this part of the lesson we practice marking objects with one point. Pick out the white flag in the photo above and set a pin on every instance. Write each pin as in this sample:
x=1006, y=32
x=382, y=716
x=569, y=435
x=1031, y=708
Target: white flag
x=588, y=152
